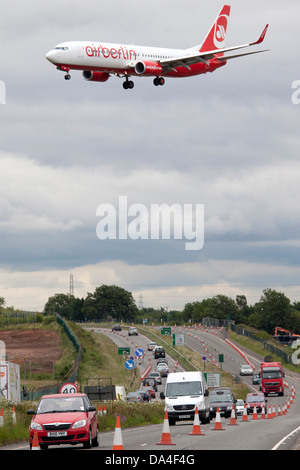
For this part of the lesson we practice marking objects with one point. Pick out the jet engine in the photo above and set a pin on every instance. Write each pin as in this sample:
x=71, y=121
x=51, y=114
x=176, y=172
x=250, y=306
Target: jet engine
x=95, y=76
x=148, y=67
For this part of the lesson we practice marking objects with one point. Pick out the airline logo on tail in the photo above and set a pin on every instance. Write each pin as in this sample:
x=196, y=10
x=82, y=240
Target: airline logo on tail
x=216, y=36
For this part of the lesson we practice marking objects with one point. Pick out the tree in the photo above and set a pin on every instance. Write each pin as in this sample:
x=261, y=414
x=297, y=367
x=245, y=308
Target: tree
x=61, y=304
x=110, y=301
x=274, y=309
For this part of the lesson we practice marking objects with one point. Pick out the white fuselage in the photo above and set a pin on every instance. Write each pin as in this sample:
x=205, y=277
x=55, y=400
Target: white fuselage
x=89, y=55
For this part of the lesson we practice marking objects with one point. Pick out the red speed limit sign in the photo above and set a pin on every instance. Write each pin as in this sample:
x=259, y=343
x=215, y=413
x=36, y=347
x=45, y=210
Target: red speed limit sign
x=69, y=388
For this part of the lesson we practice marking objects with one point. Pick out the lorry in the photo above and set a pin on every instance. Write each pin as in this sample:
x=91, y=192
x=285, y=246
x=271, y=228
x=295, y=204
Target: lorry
x=183, y=393
x=271, y=374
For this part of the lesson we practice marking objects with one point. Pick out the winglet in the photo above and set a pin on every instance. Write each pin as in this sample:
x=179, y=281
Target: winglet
x=262, y=36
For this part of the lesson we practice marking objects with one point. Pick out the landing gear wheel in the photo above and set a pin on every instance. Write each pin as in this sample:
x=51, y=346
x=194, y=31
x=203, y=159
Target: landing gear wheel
x=159, y=81
x=128, y=84
x=67, y=76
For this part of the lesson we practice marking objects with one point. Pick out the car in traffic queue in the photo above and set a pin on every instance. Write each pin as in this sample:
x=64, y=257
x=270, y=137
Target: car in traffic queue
x=151, y=345
x=255, y=400
x=256, y=379
x=159, y=351
x=223, y=399
x=162, y=359
x=116, y=328
x=150, y=390
x=134, y=397
x=132, y=331
x=246, y=370
x=144, y=394
x=240, y=404
x=64, y=419
x=156, y=375
x=150, y=382
x=163, y=368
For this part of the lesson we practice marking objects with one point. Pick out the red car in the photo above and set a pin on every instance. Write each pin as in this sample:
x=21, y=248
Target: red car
x=64, y=419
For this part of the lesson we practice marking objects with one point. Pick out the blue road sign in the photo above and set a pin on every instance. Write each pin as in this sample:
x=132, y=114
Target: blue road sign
x=129, y=364
x=139, y=352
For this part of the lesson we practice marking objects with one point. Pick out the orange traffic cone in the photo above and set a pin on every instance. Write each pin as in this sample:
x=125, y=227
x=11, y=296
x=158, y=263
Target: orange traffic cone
x=196, y=427
x=14, y=416
x=254, y=415
x=232, y=418
x=99, y=410
x=35, y=442
x=269, y=416
x=166, y=436
x=118, y=441
x=218, y=423
x=273, y=412
x=279, y=411
x=245, y=414
x=263, y=412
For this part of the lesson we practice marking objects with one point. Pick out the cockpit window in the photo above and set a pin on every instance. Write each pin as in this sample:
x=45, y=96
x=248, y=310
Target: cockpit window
x=62, y=48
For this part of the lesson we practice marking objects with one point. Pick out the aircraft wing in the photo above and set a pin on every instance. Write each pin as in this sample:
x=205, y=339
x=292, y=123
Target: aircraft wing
x=194, y=58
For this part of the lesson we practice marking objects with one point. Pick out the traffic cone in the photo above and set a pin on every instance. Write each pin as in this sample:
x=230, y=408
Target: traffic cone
x=273, y=412
x=283, y=409
x=232, y=421
x=14, y=416
x=118, y=441
x=269, y=416
x=254, y=414
x=263, y=412
x=35, y=442
x=166, y=436
x=245, y=414
x=99, y=410
x=104, y=410
x=218, y=423
x=279, y=411
x=196, y=427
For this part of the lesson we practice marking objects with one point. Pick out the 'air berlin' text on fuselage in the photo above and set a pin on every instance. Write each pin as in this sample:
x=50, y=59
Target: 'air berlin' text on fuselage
x=121, y=53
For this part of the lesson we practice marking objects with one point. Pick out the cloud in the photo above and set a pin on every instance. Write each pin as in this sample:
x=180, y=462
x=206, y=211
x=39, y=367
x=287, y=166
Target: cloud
x=228, y=140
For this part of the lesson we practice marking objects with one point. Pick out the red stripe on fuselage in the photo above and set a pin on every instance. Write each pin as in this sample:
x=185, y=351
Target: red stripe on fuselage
x=181, y=72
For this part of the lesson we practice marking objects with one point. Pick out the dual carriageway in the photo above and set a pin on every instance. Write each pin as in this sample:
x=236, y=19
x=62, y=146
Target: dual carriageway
x=281, y=432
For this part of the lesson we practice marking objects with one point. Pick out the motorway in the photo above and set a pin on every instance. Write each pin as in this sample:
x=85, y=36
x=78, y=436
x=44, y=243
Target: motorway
x=263, y=434
x=278, y=433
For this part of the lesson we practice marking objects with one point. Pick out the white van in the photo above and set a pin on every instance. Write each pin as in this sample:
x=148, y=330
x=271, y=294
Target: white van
x=184, y=391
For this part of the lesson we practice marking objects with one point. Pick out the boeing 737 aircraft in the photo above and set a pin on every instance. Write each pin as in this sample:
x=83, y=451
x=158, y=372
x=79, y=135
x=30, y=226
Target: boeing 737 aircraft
x=99, y=61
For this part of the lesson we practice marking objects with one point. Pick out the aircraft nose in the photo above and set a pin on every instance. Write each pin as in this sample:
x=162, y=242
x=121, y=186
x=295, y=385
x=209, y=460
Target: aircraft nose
x=51, y=56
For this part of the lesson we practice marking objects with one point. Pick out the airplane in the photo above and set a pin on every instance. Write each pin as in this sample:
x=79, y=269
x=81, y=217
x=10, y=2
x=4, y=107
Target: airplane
x=98, y=61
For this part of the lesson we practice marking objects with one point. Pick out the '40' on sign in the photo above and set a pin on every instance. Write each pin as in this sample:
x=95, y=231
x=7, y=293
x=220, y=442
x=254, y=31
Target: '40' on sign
x=69, y=388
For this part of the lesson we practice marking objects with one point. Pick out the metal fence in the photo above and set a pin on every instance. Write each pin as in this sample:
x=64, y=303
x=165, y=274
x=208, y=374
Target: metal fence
x=268, y=346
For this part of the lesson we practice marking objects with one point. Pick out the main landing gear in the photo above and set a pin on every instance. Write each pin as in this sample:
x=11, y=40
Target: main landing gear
x=159, y=81
x=128, y=84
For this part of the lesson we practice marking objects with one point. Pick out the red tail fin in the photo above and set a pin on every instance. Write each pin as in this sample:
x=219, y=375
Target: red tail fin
x=217, y=34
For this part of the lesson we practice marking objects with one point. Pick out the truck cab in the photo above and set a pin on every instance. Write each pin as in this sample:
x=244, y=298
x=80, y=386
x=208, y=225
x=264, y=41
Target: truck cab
x=271, y=374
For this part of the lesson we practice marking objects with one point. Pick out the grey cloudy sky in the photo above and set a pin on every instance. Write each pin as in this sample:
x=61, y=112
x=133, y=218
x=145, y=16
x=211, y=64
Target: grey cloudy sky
x=228, y=140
